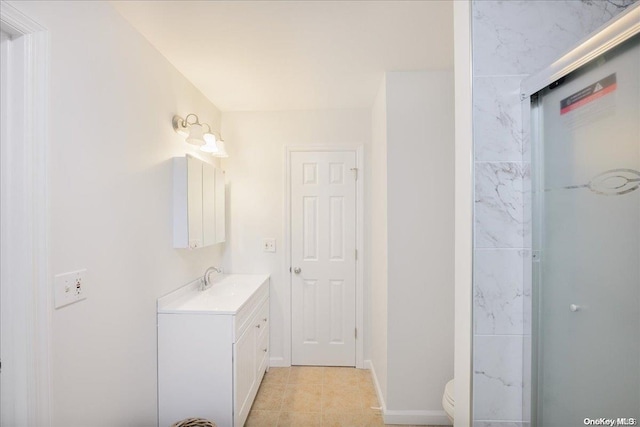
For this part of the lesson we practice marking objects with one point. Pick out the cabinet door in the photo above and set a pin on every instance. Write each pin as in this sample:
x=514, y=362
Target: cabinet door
x=262, y=354
x=244, y=374
x=198, y=203
x=220, y=206
x=209, y=197
x=262, y=340
x=194, y=202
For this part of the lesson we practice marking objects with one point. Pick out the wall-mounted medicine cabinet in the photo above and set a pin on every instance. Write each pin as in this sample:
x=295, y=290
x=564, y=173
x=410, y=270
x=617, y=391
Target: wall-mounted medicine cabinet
x=198, y=203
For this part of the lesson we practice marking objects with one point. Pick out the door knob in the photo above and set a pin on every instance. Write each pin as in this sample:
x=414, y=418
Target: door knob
x=297, y=270
x=574, y=307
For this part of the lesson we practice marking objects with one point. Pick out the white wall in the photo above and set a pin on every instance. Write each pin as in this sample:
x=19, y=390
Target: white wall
x=111, y=102
x=379, y=264
x=420, y=179
x=255, y=175
x=413, y=244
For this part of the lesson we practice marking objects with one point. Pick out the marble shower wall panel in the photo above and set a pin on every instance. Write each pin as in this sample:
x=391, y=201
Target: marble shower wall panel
x=521, y=37
x=497, y=116
x=498, y=292
x=526, y=378
x=499, y=217
x=497, y=371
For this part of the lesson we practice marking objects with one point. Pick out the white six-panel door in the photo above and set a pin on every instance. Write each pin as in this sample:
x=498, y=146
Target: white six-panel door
x=323, y=258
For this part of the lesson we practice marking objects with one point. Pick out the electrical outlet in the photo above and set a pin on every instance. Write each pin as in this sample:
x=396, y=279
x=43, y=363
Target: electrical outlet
x=269, y=245
x=69, y=288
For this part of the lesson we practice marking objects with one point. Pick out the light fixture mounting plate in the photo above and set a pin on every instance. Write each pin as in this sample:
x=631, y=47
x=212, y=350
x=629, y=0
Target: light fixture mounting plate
x=179, y=126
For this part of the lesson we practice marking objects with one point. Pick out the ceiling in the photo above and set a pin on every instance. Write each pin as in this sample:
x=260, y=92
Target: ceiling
x=295, y=55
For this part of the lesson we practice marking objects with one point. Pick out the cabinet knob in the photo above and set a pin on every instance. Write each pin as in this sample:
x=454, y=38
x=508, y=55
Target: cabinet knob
x=258, y=326
x=265, y=350
x=264, y=319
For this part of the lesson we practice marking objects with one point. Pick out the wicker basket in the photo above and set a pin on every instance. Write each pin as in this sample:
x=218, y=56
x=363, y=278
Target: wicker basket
x=194, y=422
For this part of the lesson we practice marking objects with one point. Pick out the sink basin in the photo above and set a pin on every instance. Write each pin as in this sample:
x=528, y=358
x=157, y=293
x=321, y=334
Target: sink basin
x=227, y=295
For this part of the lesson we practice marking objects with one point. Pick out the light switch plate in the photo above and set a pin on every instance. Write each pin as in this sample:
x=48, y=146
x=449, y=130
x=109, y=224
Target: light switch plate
x=269, y=245
x=69, y=288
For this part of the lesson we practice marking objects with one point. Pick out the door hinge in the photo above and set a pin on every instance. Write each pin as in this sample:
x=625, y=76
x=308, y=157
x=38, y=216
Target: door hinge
x=356, y=254
x=289, y=269
x=356, y=333
x=356, y=172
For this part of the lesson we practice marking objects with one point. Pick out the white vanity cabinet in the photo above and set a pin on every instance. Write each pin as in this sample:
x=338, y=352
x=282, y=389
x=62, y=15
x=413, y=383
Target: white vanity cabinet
x=213, y=350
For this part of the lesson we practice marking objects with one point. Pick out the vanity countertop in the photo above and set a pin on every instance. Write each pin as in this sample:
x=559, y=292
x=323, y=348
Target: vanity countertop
x=227, y=295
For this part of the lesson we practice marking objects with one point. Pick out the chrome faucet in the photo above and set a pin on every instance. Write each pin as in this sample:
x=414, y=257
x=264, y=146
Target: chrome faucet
x=206, y=280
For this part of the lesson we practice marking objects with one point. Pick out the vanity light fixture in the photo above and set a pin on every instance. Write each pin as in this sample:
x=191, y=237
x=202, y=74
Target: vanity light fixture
x=195, y=133
x=210, y=145
x=193, y=130
x=222, y=152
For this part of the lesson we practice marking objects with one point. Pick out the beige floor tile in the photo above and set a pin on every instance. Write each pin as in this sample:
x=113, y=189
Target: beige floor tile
x=339, y=398
x=302, y=398
x=277, y=375
x=367, y=386
x=269, y=397
x=262, y=419
x=299, y=419
x=342, y=419
x=308, y=396
x=369, y=397
x=370, y=401
x=342, y=376
x=372, y=419
x=365, y=376
x=306, y=375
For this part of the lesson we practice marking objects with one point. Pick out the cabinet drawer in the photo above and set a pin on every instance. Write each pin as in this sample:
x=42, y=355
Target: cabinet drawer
x=245, y=316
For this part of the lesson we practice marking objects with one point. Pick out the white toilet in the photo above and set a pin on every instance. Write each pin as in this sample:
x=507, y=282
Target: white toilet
x=448, y=402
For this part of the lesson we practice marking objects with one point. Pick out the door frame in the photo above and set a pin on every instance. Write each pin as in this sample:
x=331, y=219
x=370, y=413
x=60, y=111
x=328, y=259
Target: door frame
x=25, y=191
x=359, y=152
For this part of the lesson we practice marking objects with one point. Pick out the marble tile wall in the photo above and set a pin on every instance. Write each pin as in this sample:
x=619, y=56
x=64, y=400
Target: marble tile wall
x=511, y=40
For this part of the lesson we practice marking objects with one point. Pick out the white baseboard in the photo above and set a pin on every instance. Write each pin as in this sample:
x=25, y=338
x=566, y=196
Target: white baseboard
x=369, y=365
x=278, y=362
x=433, y=417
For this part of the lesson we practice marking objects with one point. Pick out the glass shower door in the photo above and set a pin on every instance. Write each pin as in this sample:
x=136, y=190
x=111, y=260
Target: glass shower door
x=586, y=242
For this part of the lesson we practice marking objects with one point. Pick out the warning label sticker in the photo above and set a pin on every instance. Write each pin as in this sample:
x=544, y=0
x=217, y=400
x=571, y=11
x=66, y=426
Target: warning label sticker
x=589, y=94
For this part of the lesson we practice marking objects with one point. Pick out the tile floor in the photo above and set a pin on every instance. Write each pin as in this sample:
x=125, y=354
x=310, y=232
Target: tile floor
x=308, y=396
